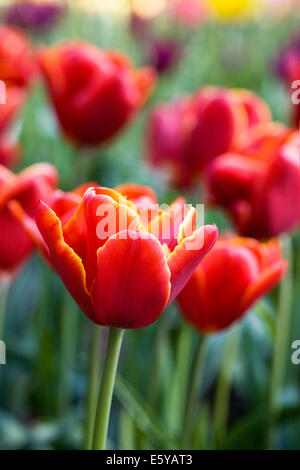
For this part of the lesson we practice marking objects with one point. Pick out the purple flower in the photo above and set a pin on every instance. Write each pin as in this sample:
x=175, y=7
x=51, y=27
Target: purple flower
x=139, y=26
x=163, y=54
x=287, y=59
x=35, y=17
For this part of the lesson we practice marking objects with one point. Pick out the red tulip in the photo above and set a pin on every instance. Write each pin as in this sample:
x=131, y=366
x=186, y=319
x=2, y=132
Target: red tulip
x=235, y=274
x=120, y=272
x=186, y=136
x=27, y=188
x=257, y=109
x=260, y=185
x=9, y=151
x=190, y=13
x=94, y=92
x=17, y=66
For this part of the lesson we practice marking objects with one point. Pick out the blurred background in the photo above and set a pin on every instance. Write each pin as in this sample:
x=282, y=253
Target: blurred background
x=191, y=44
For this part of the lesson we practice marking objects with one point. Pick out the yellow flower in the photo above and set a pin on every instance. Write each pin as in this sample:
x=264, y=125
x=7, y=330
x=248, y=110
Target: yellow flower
x=232, y=9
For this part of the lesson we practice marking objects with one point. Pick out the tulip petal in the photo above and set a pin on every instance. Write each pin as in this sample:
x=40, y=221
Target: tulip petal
x=31, y=229
x=15, y=244
x=265, y=282
x=140, y=195
x=214, y=131
x=67, y=263
x=230, y=178
x=187, y=255
x=104, y=218
x=132, y=285
x=165, y=226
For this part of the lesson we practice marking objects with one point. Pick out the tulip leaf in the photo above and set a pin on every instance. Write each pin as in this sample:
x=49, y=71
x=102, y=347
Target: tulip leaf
x=143, y=415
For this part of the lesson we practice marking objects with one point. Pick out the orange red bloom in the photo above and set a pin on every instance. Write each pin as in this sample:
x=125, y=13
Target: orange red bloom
x=17, y=64
x=121, y=272
x=185, y=136
x=27, y=188
x=260, y=184
x=94, y=92
x=234, y=274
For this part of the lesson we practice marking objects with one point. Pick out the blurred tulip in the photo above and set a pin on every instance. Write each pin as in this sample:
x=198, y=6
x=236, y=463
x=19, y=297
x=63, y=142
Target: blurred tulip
x=118, y=271
x=256, y=108
x=236, y=273
x=94, y=92
x=185, y=136
x=9, y=151
x=287, y=66
x=33, y=16
x=233, y=9
x=139, y=26
x=260, y=185
x=17, y=65
x=163, y=54
x=32, y=184
x=190, y=12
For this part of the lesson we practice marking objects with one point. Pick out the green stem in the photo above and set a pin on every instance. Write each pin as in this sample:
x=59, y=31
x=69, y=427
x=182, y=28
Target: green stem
x=196, y=377
x=126, y=431
x=93, y=383
x=178, y=388
x=283, y=331
x=83, y=161
x=153, y=385
x=224, y=385
x=68, y=330
x=106, y=388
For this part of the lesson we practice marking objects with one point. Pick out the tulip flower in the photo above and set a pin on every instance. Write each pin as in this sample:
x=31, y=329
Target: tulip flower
x=256, y=108
x=122, y=273
x=163, y=54
x=94, y=92
x=190, y=13
x=33, y=16
x=185, y=136
x=139, y=26
x=27, y=188
x=234, y=274
x=17, y=64
x=233, y=9
x=287, y=66
x=260, y=185
x=83, y=257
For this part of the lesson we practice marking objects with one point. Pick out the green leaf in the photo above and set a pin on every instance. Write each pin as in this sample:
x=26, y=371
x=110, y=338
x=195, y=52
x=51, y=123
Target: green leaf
x=143, y=415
